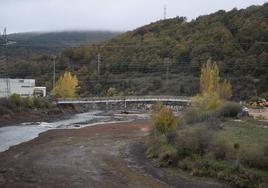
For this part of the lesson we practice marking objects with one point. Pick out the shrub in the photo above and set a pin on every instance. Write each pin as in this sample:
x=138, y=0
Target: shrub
x=181, y=121
x=28, y=103
x=220, y=150
x=41, y=103
x=154, y=144
x=167, y=155
x=191, y=115
x=111, y=92
x=171, y=137
x=204, y=139
x=156, y=107
x=260, y=117
x=186, y=164
x=4, y=110
x=230, y=109
x=196, y=115
x=165, y=121
x=208, y=102
x=254, y=160
x=16, y=99
x=195, y=142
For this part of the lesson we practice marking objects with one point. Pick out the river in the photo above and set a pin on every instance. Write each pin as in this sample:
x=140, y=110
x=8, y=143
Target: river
x=14, y=135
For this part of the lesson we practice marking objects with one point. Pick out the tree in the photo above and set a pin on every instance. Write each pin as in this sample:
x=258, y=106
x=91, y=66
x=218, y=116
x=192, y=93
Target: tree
x=165, y=121
x=209, y=80
x=111, y=92
x=225, y=90
x=210, y=99
x=66, y=86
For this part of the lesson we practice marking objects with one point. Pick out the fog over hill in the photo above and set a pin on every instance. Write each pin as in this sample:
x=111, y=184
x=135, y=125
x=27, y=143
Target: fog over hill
x=40, y=43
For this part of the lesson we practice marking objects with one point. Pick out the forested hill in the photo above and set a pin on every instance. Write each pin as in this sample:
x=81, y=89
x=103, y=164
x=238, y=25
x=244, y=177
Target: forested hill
x=165, y=57
x=237, y=40
x=40, y=43
x=234, y=35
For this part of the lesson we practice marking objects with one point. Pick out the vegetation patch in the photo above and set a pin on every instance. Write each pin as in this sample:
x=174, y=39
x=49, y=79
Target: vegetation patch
x=15, y=104
x=207, y=142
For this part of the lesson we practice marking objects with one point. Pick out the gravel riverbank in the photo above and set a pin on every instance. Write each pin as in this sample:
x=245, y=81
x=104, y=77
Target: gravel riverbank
x=109, y=155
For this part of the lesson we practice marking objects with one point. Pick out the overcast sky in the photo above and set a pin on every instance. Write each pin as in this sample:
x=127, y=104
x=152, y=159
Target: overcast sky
x=117, y=15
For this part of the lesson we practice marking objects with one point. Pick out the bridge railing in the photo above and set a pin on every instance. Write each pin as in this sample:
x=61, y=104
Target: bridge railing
x=125, y=98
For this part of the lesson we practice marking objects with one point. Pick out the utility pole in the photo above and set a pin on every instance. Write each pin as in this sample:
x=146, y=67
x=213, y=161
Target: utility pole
x=99, y=64
x=54, y=71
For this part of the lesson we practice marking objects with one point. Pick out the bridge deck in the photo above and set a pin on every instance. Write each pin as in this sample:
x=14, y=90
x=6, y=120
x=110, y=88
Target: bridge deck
x=123, y=99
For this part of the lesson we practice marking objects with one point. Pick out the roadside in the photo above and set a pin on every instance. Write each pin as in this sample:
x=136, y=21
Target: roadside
x=99, y=156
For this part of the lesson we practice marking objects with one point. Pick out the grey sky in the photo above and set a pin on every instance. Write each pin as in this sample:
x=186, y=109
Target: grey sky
x=119, y=15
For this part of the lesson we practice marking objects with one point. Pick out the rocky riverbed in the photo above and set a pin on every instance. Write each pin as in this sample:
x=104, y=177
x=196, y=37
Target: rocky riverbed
x=109, y=155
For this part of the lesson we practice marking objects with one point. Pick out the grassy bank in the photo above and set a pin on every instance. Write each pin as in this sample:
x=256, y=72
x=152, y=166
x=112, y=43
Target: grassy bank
x=213, y=144
x=15, y=104
x=15, y=110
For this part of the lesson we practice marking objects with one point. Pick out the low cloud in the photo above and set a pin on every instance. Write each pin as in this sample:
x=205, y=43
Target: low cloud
x=119, y=15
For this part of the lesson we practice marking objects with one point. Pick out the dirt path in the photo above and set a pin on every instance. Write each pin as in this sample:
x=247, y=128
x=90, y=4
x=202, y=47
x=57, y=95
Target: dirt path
x=108, y=156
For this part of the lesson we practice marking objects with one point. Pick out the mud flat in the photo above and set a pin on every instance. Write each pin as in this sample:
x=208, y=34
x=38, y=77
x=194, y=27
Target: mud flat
x=101, y=156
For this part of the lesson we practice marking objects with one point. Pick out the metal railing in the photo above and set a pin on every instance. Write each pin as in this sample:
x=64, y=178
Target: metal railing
x=123, y=99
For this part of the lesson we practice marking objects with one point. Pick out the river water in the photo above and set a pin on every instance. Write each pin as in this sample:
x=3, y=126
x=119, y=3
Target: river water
x=14, y=135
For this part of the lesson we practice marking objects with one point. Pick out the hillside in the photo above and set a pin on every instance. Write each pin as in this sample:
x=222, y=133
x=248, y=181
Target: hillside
x=41, y=43
x=136, y=62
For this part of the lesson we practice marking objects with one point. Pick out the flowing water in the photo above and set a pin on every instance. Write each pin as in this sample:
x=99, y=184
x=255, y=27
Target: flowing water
x=14, y=135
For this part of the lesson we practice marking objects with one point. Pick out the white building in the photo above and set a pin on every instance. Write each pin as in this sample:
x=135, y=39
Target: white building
x=22, y=87
x=40, y=91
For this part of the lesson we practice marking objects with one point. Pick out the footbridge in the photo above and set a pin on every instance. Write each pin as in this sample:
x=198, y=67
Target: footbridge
x=129, y=99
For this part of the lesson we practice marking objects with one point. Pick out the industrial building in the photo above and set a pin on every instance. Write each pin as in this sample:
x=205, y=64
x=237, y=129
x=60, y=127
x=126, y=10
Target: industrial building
x=22, y=87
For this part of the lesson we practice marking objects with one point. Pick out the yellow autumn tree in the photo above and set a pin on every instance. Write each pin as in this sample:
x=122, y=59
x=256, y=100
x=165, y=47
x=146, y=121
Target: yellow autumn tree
x=165, y=121
x=66, y=86
x=209, y=80
x=225, y=90
x=209, y=99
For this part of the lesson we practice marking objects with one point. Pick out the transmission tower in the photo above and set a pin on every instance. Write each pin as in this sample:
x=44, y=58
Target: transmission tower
x=4, y=64
x=165, y=12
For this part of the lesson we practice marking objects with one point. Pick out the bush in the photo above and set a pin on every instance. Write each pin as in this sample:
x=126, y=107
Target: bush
x=41, y=103
x=29, y=103
x=260, y=117
x=230, y=109
x=225, y=172
x=220, y=150
x=111, y=92
x=208, y=102
x=192, y=143
x=156, y=107
x=196, y=115
x=254, y=160
x=16, y=104
x=16, y=99
x=167, y=155
x=4, y=111
x=154, y=143
x=165, y=121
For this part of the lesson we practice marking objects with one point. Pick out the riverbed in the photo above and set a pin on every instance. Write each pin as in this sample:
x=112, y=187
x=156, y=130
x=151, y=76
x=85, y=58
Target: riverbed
x=14, y=135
